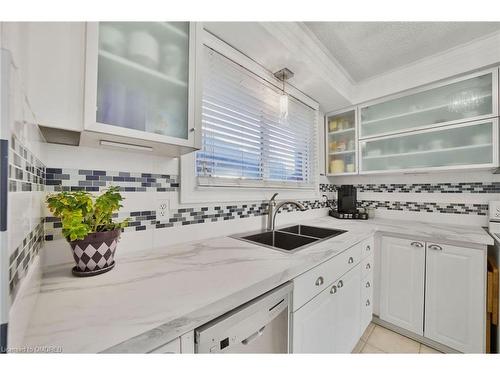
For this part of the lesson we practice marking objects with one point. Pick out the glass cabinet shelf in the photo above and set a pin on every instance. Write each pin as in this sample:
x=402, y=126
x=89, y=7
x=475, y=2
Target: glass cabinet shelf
x=122, y=63
x=465, y=99
x=341, y=142
x=469, y=145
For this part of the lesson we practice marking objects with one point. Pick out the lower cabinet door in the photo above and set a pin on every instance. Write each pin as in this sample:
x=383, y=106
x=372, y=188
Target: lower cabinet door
x=348, y=311
x=313, y=324
x=330, y=322
x=402, y=272
x=455, y=297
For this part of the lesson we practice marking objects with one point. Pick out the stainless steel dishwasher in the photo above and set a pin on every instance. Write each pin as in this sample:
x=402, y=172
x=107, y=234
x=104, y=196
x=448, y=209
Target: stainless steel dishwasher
x=259, y=326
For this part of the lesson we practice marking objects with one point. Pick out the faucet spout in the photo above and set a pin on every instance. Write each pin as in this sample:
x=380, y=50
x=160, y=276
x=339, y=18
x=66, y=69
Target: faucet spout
x=275, y=208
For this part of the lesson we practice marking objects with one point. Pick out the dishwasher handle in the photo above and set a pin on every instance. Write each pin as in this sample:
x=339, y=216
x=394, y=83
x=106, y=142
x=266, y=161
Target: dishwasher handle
x=253, y=336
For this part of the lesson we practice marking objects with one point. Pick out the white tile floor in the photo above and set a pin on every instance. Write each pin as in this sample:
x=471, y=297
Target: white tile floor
x=377, y=339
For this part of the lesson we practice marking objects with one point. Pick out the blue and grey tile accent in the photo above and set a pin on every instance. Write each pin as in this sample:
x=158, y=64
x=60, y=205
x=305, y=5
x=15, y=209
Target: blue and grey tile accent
x=444, y=208
x=26, y=171
x=434, y=188
x=22, y=257
x=445, y=187
x=448, y=187
x=146, y=220
x=60, y=179
x=63, y=179
x=327, y=188
x=26, y=174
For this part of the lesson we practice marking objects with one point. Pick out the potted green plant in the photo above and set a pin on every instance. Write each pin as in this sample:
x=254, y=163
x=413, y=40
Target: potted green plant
x=88, y=226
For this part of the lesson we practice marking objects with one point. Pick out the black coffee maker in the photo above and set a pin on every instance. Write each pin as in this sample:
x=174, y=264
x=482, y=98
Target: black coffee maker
x=347, y=204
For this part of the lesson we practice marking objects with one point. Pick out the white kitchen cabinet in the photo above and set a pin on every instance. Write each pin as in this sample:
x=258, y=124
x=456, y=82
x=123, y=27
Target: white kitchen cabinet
x=366, y=301
x=455, y=291
x=402, y=270
x=183, y=344
x=454, y=301
x=142, y=85
x=367, y=266
x=347, y=311
x=367, y=274
x=310, y=283
x=341, y=145
x=50, y=57
x=467, y=98
x=314, y=324
x=330, y=322
x=463, y=146
x=172, y=347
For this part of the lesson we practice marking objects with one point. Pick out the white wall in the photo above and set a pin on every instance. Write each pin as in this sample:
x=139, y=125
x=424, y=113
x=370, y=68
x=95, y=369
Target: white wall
x=24, y=207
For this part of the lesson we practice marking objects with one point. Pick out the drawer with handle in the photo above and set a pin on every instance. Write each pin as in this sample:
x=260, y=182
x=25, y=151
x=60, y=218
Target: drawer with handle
x=368, y=246
x=366, y=300
x=367, y=287
x=367, y=265
x=312, y=282
x=366, y=312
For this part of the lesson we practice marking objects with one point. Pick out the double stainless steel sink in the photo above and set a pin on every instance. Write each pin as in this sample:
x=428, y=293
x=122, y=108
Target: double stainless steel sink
x=291, y=239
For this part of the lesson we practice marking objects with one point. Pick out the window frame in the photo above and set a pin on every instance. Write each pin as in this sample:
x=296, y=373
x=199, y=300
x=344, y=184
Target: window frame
x=191, y=192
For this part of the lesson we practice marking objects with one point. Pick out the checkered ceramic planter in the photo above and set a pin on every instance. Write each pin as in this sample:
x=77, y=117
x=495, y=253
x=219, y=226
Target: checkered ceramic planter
x=96, y=251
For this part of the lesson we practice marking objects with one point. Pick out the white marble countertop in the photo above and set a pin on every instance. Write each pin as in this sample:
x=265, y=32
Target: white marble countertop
x=157, y=295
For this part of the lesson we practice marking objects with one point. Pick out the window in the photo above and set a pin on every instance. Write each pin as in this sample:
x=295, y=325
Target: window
x=243, y=141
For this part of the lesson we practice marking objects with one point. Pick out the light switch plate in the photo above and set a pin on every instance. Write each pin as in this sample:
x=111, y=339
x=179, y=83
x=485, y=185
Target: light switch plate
x=162, y=209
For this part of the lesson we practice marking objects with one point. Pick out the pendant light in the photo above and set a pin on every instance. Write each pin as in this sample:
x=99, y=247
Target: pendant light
x=283, y=75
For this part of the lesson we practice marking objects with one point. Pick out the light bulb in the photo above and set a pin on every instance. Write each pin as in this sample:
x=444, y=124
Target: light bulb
x=284, y=108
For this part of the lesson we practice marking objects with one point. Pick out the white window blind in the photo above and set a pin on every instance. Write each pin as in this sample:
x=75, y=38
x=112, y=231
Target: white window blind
x=243, y=141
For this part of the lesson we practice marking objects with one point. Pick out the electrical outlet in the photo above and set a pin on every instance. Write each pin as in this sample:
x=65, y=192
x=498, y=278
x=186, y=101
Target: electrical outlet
x=162, y=209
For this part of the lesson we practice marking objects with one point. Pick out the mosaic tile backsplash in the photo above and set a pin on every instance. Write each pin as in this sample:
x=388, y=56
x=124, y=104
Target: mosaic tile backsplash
x=453, y=187
x=26, y=174
x=144, y=220
x=23, y=256
x=61, y=179
x=444, y=208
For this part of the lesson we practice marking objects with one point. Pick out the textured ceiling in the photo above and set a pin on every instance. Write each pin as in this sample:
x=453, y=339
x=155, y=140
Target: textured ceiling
x=366, y=49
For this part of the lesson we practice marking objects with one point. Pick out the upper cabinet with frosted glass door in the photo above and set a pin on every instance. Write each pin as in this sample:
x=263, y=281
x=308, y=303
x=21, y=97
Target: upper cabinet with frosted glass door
x=468, y=98
x=142, y=85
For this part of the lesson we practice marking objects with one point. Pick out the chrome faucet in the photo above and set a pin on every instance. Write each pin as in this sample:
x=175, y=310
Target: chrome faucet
x=274, y=208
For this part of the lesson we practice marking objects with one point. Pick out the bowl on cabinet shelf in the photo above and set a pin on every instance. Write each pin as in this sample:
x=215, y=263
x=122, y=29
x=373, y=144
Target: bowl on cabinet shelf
x=337, y=166
x=112, y=39
x=143, y=49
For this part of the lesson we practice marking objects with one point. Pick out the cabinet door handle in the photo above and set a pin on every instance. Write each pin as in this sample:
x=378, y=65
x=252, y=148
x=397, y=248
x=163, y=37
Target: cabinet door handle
x=367, y=302
x=368, y=248
x=319, y=281
x=367, y=285
x=416, y=244
x=333, y=290
x=435, y=247
x=340, y=284
x=368, y=266
x=351, y=260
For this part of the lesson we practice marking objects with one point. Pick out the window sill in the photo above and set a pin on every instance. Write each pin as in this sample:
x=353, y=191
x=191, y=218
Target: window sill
x=192, y=193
